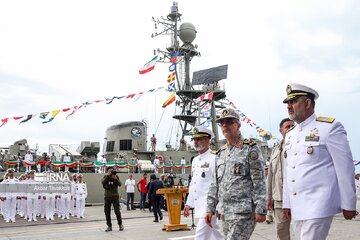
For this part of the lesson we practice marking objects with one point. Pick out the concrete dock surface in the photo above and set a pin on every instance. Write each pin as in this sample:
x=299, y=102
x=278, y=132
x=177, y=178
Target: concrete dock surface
x=139, y=225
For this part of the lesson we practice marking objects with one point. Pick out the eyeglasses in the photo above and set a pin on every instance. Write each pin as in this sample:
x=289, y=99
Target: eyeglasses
x=227, y=122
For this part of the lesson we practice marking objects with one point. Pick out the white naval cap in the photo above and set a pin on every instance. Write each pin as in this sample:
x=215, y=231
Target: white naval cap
x=10, y=170
x=295, y=90
x=199, y=132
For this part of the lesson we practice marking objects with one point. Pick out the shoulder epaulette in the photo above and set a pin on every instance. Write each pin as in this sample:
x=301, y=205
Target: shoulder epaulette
x=249, y=142
x=222, y=148
x=214, y=152
x=325, y=119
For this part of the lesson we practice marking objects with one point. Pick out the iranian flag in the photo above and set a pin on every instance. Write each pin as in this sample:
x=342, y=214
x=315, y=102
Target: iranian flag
x=71, y=164
x=149, y=66
x=57, y=164
x=28, y=163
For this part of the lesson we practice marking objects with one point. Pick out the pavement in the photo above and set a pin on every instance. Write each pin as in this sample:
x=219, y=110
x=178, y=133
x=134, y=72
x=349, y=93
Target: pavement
x=139, y=225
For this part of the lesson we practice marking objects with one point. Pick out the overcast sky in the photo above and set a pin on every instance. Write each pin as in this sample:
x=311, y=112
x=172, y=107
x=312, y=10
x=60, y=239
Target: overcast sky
x=58, y=54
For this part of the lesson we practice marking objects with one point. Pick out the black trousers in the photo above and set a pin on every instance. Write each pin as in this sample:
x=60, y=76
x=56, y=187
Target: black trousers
x=130, y=199
x=107, y=209
x=155, y=200
x=150, y=204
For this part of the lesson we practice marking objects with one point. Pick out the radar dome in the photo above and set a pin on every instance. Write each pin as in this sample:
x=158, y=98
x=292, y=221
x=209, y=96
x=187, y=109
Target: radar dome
x=187, y=32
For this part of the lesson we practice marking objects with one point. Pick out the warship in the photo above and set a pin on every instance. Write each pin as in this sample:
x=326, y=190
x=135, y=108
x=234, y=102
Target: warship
x=200, y=99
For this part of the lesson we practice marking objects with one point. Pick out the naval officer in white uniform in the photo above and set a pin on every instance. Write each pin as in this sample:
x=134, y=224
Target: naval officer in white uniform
x=319, y=169
x=202, y=171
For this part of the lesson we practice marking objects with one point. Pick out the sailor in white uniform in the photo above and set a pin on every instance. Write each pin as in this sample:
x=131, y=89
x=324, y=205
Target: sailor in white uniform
x=50, y=198
x=319, y=169
x=103, y=167
x=32, y=197
x=65, y=201
x=73, y=181
x=202, y=171
x=80, y=193
x=11, y=196
x=30, y=160
x=3, y=195
x=22, y=202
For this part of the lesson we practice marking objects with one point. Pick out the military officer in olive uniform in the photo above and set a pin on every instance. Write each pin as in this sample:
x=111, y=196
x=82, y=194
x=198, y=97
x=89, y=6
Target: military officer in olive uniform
x=202, y=172
x=238, y=192
x=319, y=171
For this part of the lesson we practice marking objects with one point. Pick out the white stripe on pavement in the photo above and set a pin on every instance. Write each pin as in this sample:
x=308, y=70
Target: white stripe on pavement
x=184, y=237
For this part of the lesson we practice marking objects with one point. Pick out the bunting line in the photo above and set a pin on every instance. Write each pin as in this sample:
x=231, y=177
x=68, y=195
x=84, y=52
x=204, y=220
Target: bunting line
x=264, y=134
x=49, y=118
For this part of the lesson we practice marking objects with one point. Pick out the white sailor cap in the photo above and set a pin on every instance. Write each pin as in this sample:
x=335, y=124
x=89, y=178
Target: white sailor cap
x=199, y=132
x=295, y=90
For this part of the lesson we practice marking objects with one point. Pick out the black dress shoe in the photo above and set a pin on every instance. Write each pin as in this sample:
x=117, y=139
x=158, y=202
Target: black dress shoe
x=121, y=227
x=156, y=220
x=109, y=229
x=161, y=217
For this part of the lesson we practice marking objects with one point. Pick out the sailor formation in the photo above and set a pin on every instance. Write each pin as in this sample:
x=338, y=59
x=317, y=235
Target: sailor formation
x=32, y=198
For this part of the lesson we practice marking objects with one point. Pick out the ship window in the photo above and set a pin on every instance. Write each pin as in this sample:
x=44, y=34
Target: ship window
x=110, y=146
x=125, y=144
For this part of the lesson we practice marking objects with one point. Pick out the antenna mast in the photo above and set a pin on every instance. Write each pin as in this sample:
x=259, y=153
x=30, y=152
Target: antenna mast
x=190, y=110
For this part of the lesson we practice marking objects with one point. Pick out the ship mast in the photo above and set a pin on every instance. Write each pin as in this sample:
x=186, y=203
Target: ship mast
x=190, y=110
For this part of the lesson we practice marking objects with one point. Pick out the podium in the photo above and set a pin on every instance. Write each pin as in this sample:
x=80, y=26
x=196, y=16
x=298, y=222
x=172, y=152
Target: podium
x=174, y=198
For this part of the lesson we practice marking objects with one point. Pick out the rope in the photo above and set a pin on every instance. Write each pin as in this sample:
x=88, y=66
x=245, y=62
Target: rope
x=160, y=121
x=171, y=127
